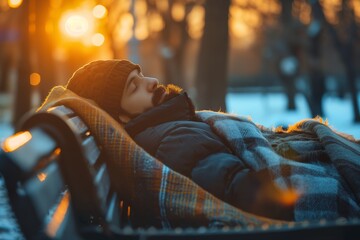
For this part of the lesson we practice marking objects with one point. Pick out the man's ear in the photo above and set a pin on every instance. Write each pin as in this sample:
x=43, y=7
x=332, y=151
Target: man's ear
x=124, y=118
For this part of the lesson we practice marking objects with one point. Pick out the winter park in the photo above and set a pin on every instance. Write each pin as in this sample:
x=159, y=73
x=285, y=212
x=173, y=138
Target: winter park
x=172, y=119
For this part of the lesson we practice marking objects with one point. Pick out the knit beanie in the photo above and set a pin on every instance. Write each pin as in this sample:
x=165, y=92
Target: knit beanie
x=103, y=81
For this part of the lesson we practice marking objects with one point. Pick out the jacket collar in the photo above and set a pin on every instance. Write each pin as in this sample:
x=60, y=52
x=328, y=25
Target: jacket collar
x=177, y=108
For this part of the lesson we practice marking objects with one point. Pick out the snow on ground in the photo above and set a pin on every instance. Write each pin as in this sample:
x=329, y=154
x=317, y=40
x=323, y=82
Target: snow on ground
x=270, y=110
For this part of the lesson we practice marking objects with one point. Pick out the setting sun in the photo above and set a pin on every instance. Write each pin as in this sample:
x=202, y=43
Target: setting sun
x=14, y=3
x=75, y=24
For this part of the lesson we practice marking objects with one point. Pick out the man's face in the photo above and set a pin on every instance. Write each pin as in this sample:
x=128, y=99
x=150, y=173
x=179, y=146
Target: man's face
x=142, y=93
x=138, y=93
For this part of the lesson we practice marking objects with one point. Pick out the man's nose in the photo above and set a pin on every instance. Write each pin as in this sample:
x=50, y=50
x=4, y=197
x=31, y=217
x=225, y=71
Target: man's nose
x=152, y=83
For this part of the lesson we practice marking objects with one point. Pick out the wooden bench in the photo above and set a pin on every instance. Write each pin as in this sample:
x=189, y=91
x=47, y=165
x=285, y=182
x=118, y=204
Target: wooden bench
x=59, y=187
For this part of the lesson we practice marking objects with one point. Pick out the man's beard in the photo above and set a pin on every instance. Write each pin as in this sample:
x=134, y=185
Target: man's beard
x=159, y=97
x=164, y=93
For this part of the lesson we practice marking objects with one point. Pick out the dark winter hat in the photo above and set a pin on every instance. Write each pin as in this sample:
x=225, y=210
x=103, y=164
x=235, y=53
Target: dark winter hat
x=102, y=81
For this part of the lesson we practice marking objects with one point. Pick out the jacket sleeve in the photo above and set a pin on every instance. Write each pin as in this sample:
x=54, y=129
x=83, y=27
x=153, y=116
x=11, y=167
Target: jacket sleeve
x=183, y=147
x=225, y=176
x=220, y=174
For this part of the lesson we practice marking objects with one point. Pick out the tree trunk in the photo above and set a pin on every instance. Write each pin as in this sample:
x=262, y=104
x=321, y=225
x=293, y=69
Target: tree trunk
x=316, y=74
x=288, y=79
x=173, y=41
x=346, y=50
x=5, y=70
x=44, y=47
x=22, y=100
x=211, y=81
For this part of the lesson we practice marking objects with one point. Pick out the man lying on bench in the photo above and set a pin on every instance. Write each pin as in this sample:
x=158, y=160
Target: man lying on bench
x=308, y=172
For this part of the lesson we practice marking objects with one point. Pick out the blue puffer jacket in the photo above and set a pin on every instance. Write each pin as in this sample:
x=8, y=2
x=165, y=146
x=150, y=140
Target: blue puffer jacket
x=171, y=133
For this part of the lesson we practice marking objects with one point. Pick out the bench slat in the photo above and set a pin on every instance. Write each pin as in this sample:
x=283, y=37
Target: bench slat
x=78, y=124
x=48, y=181
x=26, y=157
x=61, y=110
x=61, y=224
x=91, y=150
x=102, y=184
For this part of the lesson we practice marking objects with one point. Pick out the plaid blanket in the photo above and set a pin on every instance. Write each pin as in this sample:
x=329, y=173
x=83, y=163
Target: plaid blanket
x=310, y=162
x=158, y=196
x=319, y=166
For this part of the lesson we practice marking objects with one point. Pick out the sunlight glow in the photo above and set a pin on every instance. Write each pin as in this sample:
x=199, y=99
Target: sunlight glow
x=76, y=24
x=125, y=5
x=268, y=6
x=239, y=28
x=241, y=31
x=14, y=3
x=16, y=141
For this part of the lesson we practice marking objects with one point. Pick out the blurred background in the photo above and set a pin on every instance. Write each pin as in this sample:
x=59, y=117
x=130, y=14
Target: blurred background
x=277, y=61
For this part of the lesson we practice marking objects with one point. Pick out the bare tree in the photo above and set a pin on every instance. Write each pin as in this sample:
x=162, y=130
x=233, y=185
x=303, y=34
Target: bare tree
x=44, y=47
x=345, y=46
x=211, y=80
x=316, y=74
x=22, y=100
x=288, y=62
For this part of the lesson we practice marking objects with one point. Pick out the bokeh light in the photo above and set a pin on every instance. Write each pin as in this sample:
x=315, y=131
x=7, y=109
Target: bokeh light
x=98, y=39
x=302, y=10
x=162, y=5
x=124, y=28
x=331, y=9
x=35, y=79
x=156, y=23
x=140, y=8
x=16, y=141
x=178, y=11
x=196, y=22
x=99, y=11
x=141, y=30
x=355, y=4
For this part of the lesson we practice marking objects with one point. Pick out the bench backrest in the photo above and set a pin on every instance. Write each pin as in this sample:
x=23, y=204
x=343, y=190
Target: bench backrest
x=38, y=165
